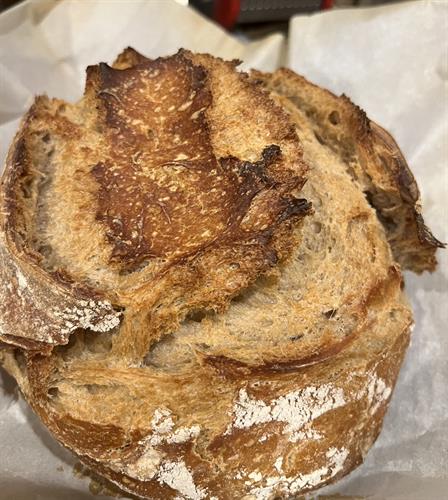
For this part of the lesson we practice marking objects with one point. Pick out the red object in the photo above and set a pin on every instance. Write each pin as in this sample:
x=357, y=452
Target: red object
x=327, y=4
x=227, y=12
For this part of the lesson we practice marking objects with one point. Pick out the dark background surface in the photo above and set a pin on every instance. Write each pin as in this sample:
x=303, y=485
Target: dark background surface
x=272, y=16
x=269, y=19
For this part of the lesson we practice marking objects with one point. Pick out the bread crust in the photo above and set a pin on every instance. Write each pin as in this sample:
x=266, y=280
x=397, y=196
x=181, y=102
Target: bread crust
x=309, y=427
x=128, y=58
x=200, y=221
x=376, y=161
x=38, y=309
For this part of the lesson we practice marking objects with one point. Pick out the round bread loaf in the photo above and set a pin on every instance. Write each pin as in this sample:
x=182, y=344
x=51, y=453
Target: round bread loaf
x=243, y=351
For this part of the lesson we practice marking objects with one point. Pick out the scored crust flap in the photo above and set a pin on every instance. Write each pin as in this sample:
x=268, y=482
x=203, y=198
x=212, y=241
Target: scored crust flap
x=157, y=192
x=373, y=159
x=38, y=309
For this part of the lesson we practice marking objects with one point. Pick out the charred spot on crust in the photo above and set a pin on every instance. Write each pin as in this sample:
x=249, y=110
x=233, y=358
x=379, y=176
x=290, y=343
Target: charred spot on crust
x=295, y=207
x=258, y=169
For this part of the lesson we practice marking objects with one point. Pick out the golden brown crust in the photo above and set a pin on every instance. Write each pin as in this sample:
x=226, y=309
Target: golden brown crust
x=165, y=198
x=37, y=309
x=381, y=169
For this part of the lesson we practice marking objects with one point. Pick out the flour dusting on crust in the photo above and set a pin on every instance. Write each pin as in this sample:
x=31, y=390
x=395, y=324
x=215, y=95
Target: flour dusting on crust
x=150, y=463
x=21, y=280
x=162, y=429
x=290, y=485
x=177, y=476
x=145, y=467
x=96, y=316
x=377, y=392
x=296, y=409
x=278, y=464
x=307, y=433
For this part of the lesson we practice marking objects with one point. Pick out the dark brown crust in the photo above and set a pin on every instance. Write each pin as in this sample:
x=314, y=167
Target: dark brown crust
x=146, y=207
x=415, y=246
x=409, y=192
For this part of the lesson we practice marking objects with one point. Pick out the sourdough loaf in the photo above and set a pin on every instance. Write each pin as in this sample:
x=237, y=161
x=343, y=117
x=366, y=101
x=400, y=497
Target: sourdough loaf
x=256, y=365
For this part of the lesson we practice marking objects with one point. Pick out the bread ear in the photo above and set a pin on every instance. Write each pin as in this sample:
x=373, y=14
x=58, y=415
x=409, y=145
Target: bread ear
x=374, y=161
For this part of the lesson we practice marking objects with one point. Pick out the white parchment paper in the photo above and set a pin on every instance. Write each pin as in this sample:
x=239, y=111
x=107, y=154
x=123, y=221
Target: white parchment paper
x=393, y=62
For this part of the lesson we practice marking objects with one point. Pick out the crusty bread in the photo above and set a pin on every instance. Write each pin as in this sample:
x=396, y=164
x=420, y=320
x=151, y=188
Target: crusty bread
x=277, y=395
